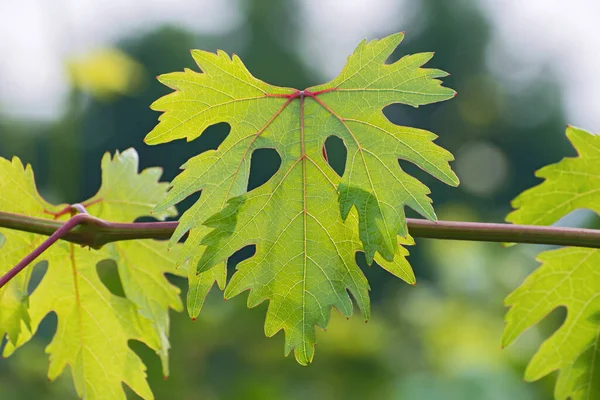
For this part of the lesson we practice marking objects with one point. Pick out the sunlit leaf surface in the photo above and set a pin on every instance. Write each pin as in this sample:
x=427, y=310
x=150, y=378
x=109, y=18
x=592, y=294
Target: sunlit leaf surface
x=94, y=325
x=568, y=277
x=307, y=222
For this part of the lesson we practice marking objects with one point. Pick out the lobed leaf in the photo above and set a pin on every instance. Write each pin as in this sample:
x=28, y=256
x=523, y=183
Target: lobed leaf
x=568, y=277
x=307, y=223
x=94, y=325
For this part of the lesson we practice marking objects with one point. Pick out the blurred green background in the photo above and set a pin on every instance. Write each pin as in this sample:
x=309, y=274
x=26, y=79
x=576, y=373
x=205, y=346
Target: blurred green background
x=438, y=340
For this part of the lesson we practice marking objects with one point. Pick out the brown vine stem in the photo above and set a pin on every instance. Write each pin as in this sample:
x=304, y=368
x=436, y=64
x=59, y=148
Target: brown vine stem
x=87, y=230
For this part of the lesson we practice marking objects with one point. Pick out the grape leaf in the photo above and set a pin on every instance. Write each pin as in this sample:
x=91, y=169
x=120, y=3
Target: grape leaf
x=94, y=325
x=307, y=223
x=568, y=277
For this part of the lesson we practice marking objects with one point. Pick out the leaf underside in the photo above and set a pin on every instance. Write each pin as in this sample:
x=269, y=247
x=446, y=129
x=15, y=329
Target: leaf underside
x=307, y=223
x=94, y=325
x=568, y=277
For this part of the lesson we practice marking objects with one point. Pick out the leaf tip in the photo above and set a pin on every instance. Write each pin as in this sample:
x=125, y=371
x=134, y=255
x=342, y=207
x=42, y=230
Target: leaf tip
x=506, y=340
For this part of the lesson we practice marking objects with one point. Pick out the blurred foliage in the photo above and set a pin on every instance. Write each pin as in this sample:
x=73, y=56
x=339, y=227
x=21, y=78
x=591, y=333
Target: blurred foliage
x=106, y=73
x=440, y=339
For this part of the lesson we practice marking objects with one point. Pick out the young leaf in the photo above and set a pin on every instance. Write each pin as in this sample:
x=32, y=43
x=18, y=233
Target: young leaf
x=567, y=277
x=307, y=223
x=94, y=325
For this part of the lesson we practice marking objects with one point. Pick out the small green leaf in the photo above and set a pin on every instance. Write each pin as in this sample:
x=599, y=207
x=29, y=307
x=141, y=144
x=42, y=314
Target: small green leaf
x=307, y=223
x=568, y=277
x=94, y=325
x=573, y=183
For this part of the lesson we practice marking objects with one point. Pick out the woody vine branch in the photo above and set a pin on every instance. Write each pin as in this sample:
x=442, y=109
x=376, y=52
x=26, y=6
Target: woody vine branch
x=87, y=230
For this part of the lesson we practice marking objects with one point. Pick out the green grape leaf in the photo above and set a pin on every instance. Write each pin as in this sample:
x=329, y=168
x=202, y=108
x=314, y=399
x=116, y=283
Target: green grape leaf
x=568, y=277
x=307, y=222
x=94, y=325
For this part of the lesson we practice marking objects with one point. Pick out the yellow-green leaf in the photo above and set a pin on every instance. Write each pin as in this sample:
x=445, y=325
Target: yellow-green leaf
x=568, y=277
x=307, y=223
x=94, y=325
